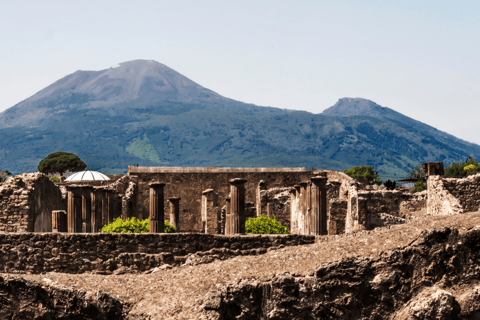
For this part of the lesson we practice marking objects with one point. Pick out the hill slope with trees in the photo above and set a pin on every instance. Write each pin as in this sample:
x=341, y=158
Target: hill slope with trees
x=145, y=113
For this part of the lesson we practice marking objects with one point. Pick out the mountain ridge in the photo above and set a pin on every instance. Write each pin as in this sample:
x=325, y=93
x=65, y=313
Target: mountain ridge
x=144, y=112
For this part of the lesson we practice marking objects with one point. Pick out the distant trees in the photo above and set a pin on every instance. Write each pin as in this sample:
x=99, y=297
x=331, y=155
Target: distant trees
x=364, y=172
x=469, y=167
x=61, y=162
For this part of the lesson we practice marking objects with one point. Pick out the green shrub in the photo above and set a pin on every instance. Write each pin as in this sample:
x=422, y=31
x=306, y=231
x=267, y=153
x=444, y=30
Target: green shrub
x=390, y=185
x=133, y=225
x=420, y=186
x=264, y=225
x=54, y=179
x=364, y=172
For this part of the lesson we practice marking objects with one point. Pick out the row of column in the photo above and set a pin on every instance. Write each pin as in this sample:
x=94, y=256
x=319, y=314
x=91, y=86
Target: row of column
x=89, y=209
x=308, y=207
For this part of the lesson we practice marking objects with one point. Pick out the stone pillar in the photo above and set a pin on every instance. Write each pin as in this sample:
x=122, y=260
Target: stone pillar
x=227, y=223
x=96, y=213
x=293, y=212
x=104, y=196
x=236, y=217
x=74, y=212
x=270, y=212
x=303, y=209
x=308, y=208
x=157, y=209
x=175, y=212
x=210, y=212
x=59, y=221
x=261, y=186
x=111, y=206
x=319, y=205
x=86, y=210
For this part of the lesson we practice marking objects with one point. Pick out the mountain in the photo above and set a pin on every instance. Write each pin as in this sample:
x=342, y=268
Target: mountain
x=143, y=112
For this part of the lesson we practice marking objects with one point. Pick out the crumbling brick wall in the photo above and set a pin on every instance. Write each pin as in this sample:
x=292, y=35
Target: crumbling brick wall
x=453, y=195
x=27, y=201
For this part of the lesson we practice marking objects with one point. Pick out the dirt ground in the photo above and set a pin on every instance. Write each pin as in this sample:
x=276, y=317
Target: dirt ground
x=178, y=293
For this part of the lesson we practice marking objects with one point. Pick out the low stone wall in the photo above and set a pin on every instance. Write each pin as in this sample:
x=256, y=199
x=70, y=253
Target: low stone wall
x=104, y=253
x=453, y=196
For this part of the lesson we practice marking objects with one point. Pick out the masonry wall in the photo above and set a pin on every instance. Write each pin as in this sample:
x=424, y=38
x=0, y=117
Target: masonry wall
x=189, y=183
x=448, y=196
x=27, y=201
x=104, y=253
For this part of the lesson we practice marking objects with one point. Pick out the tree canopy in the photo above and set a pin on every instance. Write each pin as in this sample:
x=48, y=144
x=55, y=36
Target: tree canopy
x=60, y=162
x=469, y=167
x=364, y=172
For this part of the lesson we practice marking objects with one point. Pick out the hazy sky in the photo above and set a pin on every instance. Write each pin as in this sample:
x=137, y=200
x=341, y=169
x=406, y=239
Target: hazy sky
x=420, y=58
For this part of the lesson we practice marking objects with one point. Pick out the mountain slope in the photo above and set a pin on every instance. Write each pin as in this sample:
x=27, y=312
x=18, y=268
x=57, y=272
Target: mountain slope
x=143, y=112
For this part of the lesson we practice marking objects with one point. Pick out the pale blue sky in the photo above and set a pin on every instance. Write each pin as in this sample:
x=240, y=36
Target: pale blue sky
x=420, y=58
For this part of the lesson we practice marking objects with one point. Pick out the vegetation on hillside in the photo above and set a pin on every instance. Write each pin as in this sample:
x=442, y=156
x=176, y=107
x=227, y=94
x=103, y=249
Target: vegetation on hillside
x=61, y=162
x=364, y=172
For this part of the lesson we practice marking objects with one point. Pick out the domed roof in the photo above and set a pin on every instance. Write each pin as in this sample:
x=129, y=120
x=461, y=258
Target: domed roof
x=87, y=175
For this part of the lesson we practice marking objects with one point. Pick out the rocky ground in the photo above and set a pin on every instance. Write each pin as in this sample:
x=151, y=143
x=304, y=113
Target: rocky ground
x=399, y=273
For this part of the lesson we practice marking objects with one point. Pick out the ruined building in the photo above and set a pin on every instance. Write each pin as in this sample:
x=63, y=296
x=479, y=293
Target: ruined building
x=219, y=200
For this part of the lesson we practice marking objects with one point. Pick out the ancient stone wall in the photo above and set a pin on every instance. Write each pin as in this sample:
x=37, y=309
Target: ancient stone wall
x=27, y=202
x=189, y=183
x=379, y=208
x=452, y=195
x=104, y=253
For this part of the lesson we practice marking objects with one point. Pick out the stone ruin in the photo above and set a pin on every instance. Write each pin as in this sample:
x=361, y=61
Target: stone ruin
x=220, y=200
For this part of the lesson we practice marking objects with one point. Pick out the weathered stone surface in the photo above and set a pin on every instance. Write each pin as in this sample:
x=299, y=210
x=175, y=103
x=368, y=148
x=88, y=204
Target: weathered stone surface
x=430, y=279
x=27, y=201
x=22, y=299
x=104, y=253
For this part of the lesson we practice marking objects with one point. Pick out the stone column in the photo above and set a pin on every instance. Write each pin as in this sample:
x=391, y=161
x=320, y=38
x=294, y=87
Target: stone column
x=96, y=213
x=270, y=212
x=111, y=206
x=210, y=212
x=293, y=212
x=302, y=228
x=74, y=212
x=86, y=210
x=157, y=209
x=261, y=186
x=308, y=208
x=227, y=223
x=175, y=212
x=59, y=221
x=319, y=205
x=237, y=202
x=104, y=195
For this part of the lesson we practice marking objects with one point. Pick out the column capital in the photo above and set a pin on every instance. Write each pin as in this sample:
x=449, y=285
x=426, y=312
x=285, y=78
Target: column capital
x=207, y=191
x=156, y=184
x=174, y=199
x=319, y=181
x=237, y=181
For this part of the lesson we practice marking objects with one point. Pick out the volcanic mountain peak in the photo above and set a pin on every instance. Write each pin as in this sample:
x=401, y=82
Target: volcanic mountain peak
x=347, y=107
x=132, y=80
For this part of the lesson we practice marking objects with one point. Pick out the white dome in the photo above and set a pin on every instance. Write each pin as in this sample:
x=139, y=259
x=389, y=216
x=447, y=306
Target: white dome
x=87, y=176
